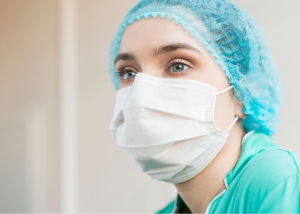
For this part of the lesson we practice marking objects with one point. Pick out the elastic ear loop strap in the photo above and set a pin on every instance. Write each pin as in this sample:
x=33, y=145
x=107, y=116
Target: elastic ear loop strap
x=236, y=118
x=226, y=89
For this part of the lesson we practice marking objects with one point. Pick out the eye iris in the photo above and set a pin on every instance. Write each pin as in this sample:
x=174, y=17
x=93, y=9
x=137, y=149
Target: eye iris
x=129, y=75
x=178, y=67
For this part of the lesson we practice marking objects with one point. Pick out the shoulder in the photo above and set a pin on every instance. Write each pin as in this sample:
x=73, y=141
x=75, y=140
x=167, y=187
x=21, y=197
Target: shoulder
x=168, y=208
x=269, y=167
x=272, y=165
x=284, y=197
x=272, y=174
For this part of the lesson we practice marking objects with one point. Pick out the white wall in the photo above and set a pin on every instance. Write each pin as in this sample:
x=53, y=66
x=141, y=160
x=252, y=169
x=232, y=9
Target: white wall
x=29, y=149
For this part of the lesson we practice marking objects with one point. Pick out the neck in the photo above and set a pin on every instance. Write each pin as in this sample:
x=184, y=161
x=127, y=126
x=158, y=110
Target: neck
x=201, y=189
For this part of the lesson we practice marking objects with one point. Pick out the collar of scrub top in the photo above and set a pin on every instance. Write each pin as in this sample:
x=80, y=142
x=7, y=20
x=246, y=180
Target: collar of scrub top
x=179, y=201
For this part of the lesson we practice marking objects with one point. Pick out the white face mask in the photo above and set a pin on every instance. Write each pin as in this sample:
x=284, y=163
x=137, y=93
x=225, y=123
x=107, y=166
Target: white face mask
x=167, y=126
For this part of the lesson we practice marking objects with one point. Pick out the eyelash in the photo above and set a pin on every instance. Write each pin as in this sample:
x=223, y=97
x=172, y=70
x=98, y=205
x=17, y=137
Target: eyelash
x=121, y=72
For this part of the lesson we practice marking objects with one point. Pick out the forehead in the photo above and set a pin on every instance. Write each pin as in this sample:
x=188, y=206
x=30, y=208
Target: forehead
x=153, y=32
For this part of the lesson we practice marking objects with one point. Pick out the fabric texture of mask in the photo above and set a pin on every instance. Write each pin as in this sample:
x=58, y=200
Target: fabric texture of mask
x=237, y=43
x=167, y=126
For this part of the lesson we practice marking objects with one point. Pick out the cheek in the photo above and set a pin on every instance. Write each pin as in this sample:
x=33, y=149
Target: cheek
x=207, y=71
x=211, y=74
x=224, y=111
x=125, y=84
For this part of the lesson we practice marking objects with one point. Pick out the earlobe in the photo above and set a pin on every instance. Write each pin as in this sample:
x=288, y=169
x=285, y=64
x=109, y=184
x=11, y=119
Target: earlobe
x=239, y=110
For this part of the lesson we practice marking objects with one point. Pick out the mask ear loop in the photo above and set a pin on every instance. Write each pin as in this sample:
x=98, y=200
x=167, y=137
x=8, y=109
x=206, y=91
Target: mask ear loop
x=226, y=89
x=236, y=118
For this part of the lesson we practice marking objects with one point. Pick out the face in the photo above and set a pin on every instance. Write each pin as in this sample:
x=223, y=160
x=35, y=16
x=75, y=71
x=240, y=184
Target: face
x=160, y=47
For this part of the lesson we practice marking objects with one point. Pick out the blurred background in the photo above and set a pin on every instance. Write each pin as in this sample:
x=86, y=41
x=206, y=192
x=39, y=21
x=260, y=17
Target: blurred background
x=56, y=151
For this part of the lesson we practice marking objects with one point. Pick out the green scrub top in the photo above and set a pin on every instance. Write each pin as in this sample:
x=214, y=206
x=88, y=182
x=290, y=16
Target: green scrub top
x=266, y=179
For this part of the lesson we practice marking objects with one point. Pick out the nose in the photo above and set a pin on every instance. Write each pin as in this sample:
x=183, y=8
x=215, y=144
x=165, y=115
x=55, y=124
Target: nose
x=151, y=70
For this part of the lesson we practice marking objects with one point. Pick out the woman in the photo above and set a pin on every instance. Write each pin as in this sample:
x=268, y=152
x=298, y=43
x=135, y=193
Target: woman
x=197, y=104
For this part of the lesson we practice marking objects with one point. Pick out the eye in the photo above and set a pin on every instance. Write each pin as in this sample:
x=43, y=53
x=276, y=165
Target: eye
x=126, y=73
x=129, y=74
x=178, y=67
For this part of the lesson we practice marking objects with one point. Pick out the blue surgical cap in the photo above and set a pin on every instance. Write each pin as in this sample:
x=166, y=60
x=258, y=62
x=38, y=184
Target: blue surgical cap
x=237, y=43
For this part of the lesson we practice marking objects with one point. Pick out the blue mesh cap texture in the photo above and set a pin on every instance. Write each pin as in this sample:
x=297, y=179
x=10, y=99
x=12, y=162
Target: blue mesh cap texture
x=238, y=44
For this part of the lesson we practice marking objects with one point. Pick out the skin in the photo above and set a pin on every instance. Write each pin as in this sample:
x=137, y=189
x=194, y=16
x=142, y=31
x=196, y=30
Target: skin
x=141, y=38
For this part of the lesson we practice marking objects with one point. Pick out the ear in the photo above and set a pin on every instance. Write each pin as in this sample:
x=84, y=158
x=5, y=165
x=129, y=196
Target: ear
x=239, y=109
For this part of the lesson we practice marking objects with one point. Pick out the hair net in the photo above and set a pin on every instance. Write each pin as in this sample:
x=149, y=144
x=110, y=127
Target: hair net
x=238, y=44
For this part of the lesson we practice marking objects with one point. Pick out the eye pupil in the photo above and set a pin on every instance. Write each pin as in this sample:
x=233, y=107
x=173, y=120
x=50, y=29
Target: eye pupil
x=129, y=75
x=178, y=67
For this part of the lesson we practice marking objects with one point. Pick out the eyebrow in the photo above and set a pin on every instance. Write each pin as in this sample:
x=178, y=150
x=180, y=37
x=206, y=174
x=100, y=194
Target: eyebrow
x=159, y=51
